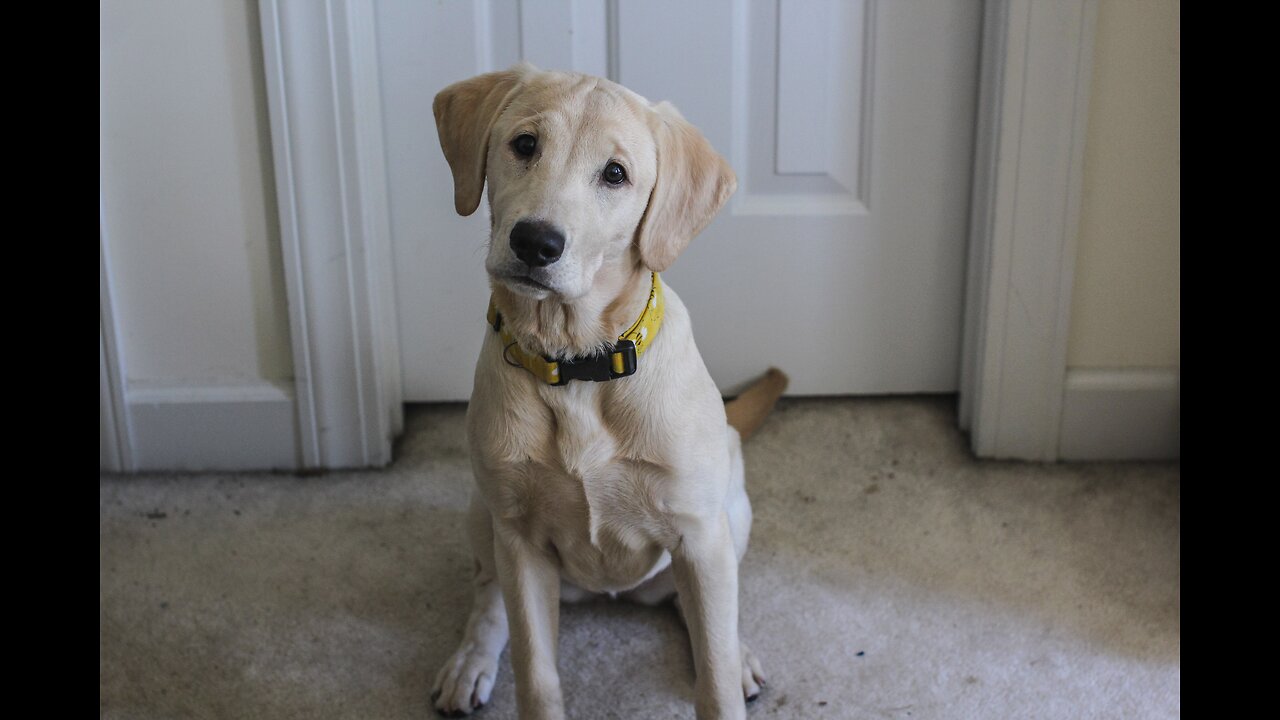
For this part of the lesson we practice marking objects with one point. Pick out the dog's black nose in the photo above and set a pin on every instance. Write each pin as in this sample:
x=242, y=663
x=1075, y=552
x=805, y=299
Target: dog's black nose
x=536, y=243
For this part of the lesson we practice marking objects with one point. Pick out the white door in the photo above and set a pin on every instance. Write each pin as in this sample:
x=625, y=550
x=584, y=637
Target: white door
x=849, y=122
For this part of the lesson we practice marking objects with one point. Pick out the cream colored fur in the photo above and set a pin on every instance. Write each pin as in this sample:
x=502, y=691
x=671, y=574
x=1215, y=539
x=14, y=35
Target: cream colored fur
x=632, y=487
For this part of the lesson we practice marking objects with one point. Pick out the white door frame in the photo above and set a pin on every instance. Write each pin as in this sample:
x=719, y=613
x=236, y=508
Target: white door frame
x=325, y=103
x=115, y=434
x=323, y=95
x=1036, y=71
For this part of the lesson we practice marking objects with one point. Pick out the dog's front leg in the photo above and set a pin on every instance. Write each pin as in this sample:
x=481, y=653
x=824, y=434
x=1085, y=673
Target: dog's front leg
x=466, y=679
x=531, y=590
x=706, y=573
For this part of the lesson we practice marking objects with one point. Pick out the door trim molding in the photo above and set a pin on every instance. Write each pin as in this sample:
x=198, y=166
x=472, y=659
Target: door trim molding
x=324, y=100
x=115, y=430
x=1033, y=113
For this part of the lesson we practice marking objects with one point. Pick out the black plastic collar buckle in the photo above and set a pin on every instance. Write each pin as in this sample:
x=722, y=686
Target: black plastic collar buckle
x=599, y=368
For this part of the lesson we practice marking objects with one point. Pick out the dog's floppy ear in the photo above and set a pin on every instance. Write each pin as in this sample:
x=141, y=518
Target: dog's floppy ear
x=465, y=112
x=693, y=183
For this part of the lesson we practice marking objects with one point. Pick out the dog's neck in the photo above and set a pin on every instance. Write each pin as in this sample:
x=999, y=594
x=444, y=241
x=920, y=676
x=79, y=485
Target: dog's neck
x=582, y=326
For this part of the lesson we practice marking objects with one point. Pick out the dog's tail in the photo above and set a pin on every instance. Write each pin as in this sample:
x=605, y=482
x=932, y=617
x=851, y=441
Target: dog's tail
x=748, y=411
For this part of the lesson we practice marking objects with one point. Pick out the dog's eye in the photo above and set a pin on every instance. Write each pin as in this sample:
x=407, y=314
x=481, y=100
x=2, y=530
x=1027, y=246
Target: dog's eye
x=614, y=174
x=524, y=145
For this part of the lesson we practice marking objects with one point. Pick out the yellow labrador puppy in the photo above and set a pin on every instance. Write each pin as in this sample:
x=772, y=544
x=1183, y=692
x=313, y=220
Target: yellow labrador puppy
x=602, y=456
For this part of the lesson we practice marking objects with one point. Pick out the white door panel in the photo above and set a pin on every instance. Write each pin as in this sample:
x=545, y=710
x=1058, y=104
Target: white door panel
x=849, y=123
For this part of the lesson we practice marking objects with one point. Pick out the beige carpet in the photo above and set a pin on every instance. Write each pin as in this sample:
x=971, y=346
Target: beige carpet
x=890, y=575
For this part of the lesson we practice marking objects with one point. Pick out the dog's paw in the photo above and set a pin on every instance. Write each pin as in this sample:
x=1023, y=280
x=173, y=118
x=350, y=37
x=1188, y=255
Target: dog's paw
x=752, y=675
x=465, y=682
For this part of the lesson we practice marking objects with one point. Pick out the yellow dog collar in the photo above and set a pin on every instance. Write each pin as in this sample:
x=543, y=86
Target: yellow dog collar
x=619, y=362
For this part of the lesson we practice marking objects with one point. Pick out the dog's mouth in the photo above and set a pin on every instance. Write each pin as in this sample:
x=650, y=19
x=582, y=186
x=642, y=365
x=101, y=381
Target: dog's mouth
x=526, y=284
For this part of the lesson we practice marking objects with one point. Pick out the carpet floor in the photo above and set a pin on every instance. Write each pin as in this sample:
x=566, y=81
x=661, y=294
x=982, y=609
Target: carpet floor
x=890, y=575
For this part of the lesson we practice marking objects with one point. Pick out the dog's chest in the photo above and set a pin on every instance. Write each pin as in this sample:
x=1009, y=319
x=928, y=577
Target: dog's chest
x=573, y=488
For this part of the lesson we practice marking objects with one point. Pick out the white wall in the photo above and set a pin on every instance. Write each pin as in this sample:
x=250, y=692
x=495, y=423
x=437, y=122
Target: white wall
x=188, y=196
x=191, y=234
x=1122, y=397
x=1127, y=300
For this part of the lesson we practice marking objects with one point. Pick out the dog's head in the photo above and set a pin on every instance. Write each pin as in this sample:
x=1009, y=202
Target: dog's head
x=582, y=174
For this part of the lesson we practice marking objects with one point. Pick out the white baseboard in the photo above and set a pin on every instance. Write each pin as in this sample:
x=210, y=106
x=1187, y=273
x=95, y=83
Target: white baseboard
x=231, y=426
x=1121, y=415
